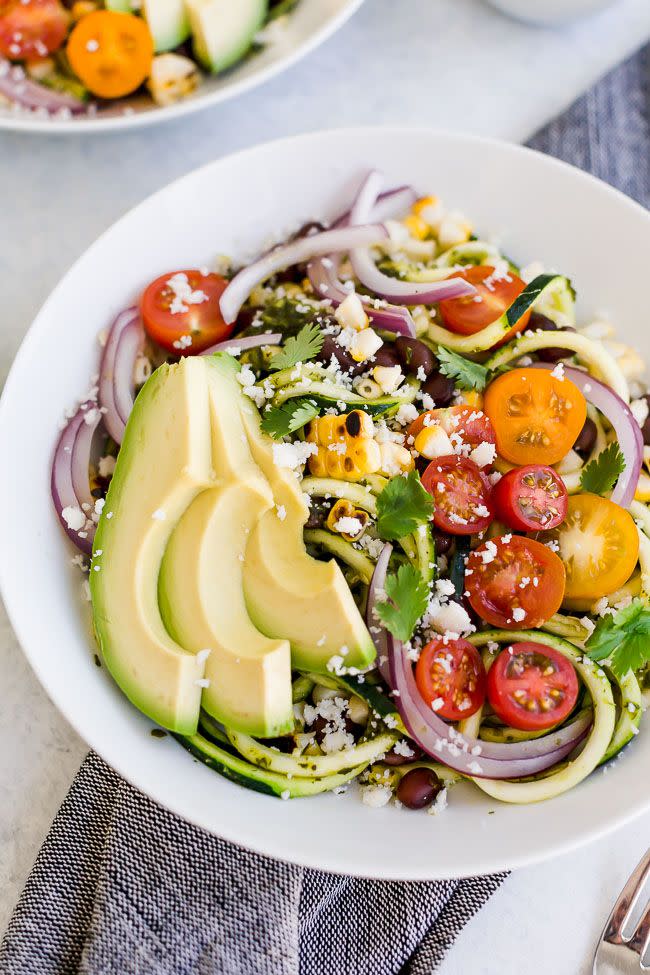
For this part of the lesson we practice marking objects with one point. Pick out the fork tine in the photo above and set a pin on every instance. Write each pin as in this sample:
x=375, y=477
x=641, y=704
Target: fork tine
x=640, y=940
x=625, y=904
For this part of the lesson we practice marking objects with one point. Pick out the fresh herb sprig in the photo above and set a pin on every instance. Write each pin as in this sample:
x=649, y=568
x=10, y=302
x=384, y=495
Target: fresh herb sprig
x=407, y=598
x=465, y=373
x=622, y=638
x=282, y=420
x=602, y=473
x=402, y=506
x=299, y=348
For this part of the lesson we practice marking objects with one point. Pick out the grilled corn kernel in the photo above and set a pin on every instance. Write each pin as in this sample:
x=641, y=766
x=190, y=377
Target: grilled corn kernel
x=471, y=397
x=416, y=226
x=172, y=78
x=429, y=209
x=432, y=442
x=454, y=229
x=345, y=446
x=642, y=492
x=395, y=459
x=83, y=7
x=388, y=378
x=351, y=313
x=344, y=428
x=347, y=521
x=364, y=345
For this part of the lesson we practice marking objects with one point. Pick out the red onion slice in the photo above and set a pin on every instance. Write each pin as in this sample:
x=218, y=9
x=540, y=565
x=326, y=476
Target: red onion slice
x=298, y=251
x=469, y=755
x=245, y=342
x=627, y=430
x=401, y=292
x=116, y=383
x=21, y=90
x=377, y=631
x=71, y=453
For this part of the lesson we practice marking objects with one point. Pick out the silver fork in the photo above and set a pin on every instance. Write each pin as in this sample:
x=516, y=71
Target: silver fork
x=623, y=949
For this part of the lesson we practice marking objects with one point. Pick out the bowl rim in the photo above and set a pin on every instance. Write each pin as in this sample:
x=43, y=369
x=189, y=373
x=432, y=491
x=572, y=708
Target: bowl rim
x=487, y=864
x=167, y=113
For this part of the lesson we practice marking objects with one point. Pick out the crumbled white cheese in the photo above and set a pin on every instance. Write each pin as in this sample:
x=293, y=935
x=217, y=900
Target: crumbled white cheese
x=483, y=455
x=293, y=455
x=452, y=617
x=349, y=525
x=74, y=518
x=388, y=378
x=439, y=804
x=558, y=371
x=639, y=410
x=376, y=796
x=183, y=293
x=518, y=614
x=405, y=414
x=106, y=466
x=487, y=553
x=403, y=748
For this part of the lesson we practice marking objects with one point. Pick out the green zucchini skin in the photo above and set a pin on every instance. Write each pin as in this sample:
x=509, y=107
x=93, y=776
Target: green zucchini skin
x=544, y=289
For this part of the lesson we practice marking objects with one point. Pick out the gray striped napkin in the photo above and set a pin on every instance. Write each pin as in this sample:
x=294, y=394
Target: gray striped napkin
x=123, y=887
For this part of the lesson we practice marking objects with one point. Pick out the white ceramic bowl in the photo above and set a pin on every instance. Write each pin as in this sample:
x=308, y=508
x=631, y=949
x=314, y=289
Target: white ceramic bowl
x=549, y=12
x=541, y=209
x=311, y=23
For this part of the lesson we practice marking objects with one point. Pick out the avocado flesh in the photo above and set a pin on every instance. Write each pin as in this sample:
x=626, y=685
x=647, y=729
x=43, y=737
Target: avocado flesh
x=165, y=461
x=223, y=30
x=200, y=586
x=168, y=22
x=290, y=594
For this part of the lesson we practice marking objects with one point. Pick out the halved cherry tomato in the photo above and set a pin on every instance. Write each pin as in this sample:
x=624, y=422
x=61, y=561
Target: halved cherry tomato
x=452, y=676
x=599, y=546
x=514, y=582
x=531, y=498
x=31, y=29
x=495, y=294
x=469, y=424
x=531, y=686
x=536, y=416
x=111, y=52
x=462, y=494
x=180, y=311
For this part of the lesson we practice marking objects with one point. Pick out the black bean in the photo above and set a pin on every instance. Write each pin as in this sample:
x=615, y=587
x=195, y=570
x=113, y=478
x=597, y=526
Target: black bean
x=322, y=726
x=415, y=355
x=346, y=362
x=421, y=464
x=553, y=354
x=645, y=429
x=586, y=438
x=393, y=758
x=418, y=788
x=386, y=356
x=443, y=542
x=440, y=388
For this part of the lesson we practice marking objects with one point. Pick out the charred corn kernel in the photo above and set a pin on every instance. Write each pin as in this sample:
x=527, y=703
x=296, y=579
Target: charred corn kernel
x=368, y=388
x=388, y=378
x=40, y=68
x=83, y=7
x=364, y=345
x=454, y=229
x=345, y=428
x=351, y=314
x=416, y=226
x=432, y=442
x=429, y=209
x=172, y=78
x=345, y=446
x=471, y=397
x=347, y=521
x=395, y=459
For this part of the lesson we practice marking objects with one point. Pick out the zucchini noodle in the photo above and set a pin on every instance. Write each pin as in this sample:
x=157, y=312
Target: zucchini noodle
x=345, y=551
x=312, y=766
x=324, y=487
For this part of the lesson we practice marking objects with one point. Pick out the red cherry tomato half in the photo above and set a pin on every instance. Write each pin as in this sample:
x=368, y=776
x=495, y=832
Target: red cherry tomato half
x=451, y=678
x=531, y=686
x=180, y=311
x=31, y=29
x=531, y=498
x=496, y=292
x=462, y=494
x=514, y=582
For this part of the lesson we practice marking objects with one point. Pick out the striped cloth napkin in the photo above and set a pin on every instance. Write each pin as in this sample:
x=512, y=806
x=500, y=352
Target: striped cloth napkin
x=123, y=887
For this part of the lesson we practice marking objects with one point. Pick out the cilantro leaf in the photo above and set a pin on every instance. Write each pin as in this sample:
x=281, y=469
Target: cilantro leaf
x=299, y=348
x=602, y=473
x=464, y=372
x=408, y=596
x=622, y=638
x=402, y=506
x=282, y=420
x=289, y=316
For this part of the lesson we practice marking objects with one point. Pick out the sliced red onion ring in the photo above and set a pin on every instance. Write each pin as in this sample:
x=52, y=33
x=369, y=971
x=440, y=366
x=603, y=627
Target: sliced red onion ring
x=21, y=90
x=401, y=292
x=116, y=382
x=386, y=205
x=245, y=342
x=377, y=631
x=470, y=756
x=296, y=252
x=627, y=430
x=71, y=460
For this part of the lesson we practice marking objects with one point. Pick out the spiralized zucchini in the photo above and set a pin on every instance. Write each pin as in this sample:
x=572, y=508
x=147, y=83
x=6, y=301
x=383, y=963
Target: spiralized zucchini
x=600, y=736
x=324, y=487
x=343, y=550
x=630, y=711
x=312, y=766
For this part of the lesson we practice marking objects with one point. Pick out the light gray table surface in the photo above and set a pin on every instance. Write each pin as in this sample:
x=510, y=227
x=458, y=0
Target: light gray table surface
x=451, y=63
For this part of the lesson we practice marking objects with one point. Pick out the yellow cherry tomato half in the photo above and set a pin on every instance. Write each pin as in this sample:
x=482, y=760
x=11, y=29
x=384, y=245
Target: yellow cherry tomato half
x=111, y=52
x=536, y=416
x=598, y=544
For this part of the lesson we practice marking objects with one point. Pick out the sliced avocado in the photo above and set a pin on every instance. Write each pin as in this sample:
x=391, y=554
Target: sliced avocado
x=288, y=593
x=224, y=30
x=164, y=463
x=200, y=587
x=168, y=22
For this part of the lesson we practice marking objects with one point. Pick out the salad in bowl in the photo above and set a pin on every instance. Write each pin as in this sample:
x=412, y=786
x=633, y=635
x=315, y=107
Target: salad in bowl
x=371, y=508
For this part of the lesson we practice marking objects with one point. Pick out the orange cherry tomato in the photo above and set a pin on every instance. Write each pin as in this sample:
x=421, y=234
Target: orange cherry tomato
x=181, y=312
x=450, y=675
x=536, y=416
x=111, y=52
x=495, y=293
x=514, y=582
x=31, y=29
x=599, y=546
